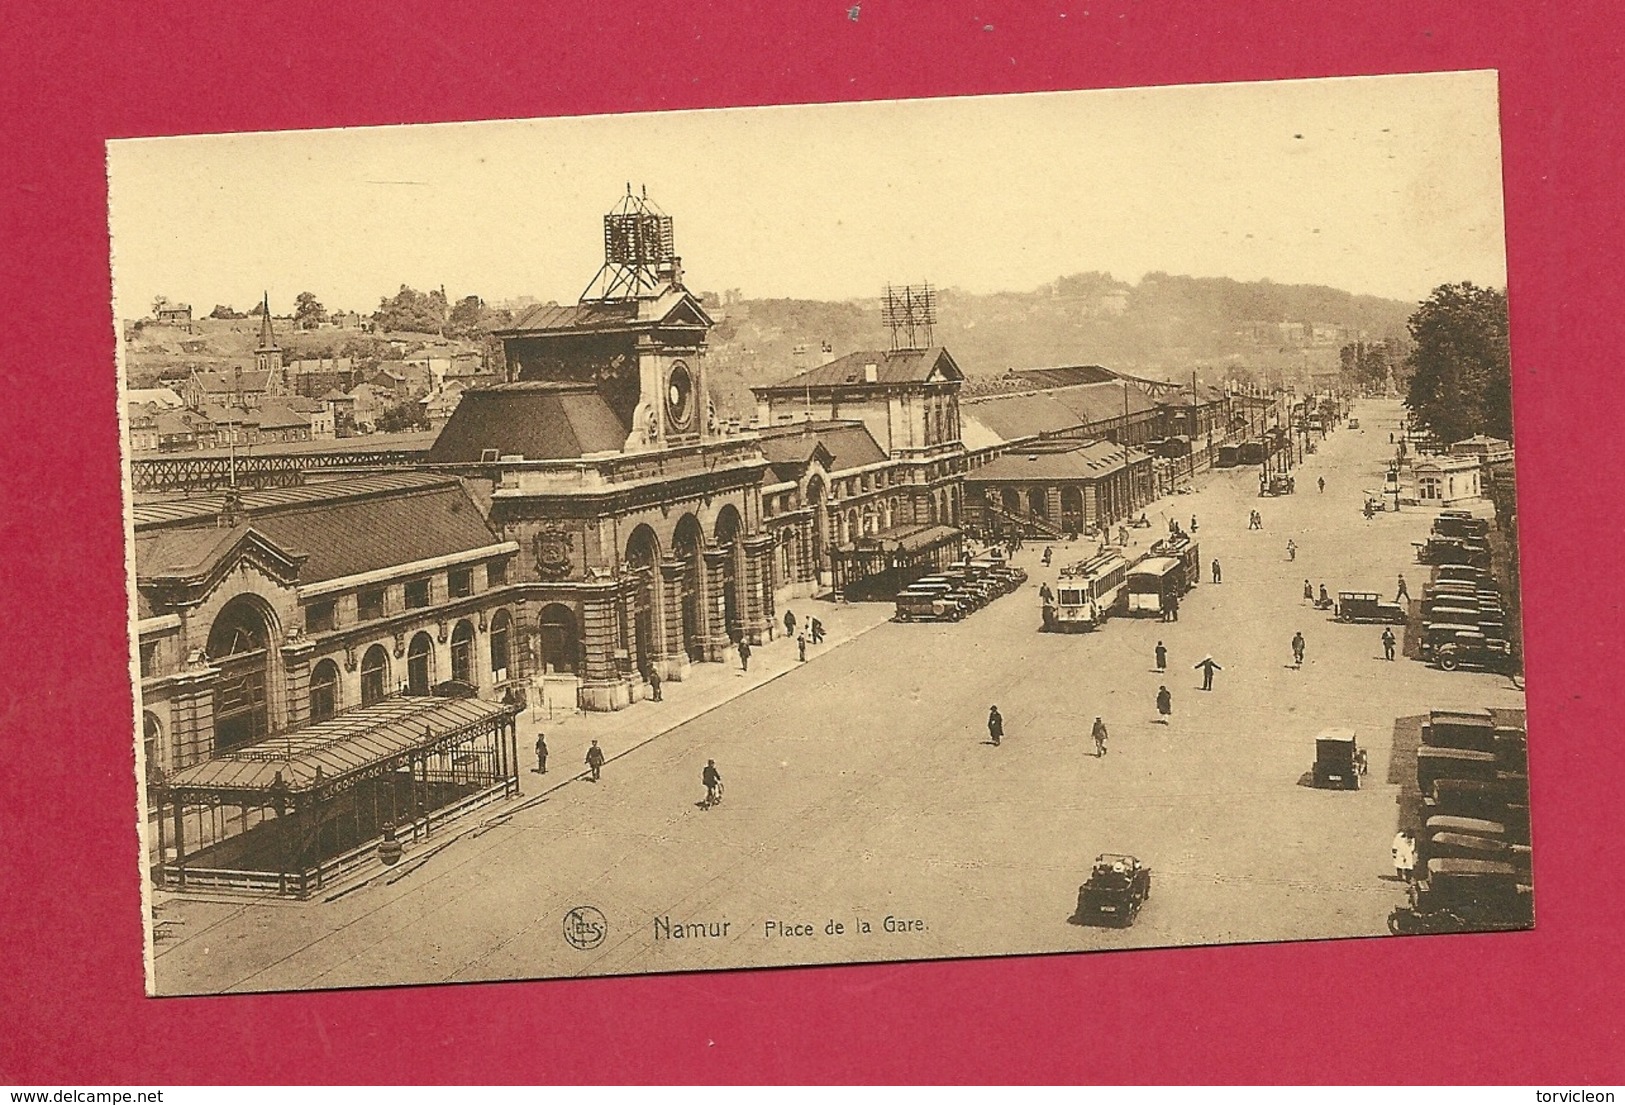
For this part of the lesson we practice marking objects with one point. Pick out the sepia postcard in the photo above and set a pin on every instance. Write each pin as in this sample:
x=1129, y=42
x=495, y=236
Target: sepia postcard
x=822, y=534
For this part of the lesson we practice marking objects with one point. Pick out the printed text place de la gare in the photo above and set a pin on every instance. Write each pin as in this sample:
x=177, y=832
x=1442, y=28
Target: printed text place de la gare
x=773, y=928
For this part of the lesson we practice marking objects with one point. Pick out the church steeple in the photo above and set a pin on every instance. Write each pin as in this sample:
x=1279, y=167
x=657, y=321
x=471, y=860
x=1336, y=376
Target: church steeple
x=268, y=355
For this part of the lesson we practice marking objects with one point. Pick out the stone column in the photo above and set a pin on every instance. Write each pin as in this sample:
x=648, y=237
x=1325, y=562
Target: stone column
x=674, y=662
x=758, y=587
x=603, y=686
x=296, y=656
x=191, y=735
x=717, y=642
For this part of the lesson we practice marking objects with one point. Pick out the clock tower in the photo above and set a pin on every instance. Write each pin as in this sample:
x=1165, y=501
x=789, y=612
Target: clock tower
x=637, y=333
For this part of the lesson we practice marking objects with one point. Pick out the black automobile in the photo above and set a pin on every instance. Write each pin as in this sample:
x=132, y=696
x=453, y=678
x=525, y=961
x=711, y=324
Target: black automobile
x=1118, y=886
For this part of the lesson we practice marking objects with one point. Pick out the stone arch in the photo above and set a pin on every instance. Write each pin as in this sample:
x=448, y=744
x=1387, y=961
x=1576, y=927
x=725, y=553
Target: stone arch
x=375, y=683
x=688, y=542
x=641, y=627
x=152, y=743
x=462, y=653
x=420, y=666
x=1010, y=500
x=729, y=533
x=1072, y=516
x=324, y=691
x=242, y=640
x=500, y=645
x=817, y=496
x=560, y=639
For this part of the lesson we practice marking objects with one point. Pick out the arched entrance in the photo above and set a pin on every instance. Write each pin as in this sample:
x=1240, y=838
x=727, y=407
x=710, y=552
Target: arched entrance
x=462, y=653
x=818, y=497
x=1010, y=499
x=501, y=645
x=324, y=691
x=1071, y=509
x=727, y=535
x=1035, y=503
x=374, y=675
x=557, y=632
x=240, y=645
x=687, y=541
x=420, y=665
x=642, y=556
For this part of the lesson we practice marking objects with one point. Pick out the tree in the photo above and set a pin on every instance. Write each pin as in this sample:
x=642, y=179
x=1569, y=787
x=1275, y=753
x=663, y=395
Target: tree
x=466, y=319
x=308, y=313
x=221, y=310
x=406, y=415
x=413, y=311
x=159, y=302
x=1461, y=369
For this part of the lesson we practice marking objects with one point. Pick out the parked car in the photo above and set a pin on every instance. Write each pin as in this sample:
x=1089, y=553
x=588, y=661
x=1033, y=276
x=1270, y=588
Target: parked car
x=1118, y=886
x=1465, y=895
x=1336, y=760
x=1367, y=606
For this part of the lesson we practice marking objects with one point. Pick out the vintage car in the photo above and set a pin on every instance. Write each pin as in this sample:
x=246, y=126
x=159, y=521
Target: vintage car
x=1435, y=764
x=1478, y=800
x=1465, y=895
x=1367, y=606
x=928, y=604
x=1460, y=523
x=1445, y=551
x=1469, y=573
x=1336, y=760
x=1436, y=634
x=1470, y=826
x=1277, y=485
x=1471, y=729
x=1118, y=886
x=1474, y=648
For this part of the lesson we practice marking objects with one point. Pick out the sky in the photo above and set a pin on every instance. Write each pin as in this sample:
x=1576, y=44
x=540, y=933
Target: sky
x=1380, y=185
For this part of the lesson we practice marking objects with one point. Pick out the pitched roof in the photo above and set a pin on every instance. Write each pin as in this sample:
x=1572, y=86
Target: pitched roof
x=788, y=453
x=162, y=397
x=579, y=316
x=1085, y=461
x=1066, y=375
x=214, y=381
x=540, y=420
x=277, y=415
x=849, y=443
x=905, y=366
x=341, y=528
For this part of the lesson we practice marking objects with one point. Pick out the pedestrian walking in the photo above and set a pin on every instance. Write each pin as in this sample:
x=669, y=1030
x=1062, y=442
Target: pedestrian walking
x=1322, y=482
x=1404, y=850
x=1308, y=591
x=1291, y=549
x=541, y=753
x=817, y=628
x=1165, y=704
x=1173, y=608
x=1216, y=575
x=1193, y=525
x=744, y=654
x=801, y=647
x=1162, y=657
x=1387, y=642
x=654, y=684
x=789, y=623
x=712, y=778
x=995, y=725
x=1325, y=599
x=1100, y=738
x=1298, y=647
x=1208, y=666
x=1404, y=594
x=595, y=760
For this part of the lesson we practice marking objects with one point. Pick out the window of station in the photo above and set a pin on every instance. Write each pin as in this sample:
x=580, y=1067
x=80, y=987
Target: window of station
x=496, y=573
x=417, y=594
x=319, y=616
x=149, y=658
x=370, y=604
x=460, y=582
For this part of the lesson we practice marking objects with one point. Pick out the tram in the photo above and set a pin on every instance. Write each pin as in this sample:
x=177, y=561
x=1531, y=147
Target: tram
x=1086, y=594
x=1154, y=584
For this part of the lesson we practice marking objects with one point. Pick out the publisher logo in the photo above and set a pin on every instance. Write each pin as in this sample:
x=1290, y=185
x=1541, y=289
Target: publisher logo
x=585, y=927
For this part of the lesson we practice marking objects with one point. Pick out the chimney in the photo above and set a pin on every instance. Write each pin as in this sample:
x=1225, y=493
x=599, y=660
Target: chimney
x=871, y=373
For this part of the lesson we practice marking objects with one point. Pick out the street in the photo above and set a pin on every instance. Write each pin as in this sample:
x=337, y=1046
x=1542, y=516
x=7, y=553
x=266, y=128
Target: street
x=861, y=787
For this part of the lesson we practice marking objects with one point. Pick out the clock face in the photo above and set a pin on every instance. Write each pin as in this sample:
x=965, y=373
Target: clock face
x=680, y=397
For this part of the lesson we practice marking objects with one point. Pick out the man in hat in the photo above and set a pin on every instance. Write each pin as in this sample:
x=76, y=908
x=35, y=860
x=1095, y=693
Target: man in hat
x=541, y=753
x=995, y=725
x=1208, y=666
x=1099, y=735
x=1162, y=657
x=595, y=760
x=1298, y=646
x=1388, y=641
x=789, y=623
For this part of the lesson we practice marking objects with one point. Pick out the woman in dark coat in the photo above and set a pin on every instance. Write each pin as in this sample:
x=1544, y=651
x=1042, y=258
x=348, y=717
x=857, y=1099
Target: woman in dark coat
x=1165, y=704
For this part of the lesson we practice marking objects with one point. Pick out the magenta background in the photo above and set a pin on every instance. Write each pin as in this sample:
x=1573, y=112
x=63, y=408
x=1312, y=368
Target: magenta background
x=1539, y=1007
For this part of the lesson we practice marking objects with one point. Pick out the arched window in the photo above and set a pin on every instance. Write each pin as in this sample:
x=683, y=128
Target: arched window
x=559, y=640
x=324, y=691
x=240, y=642
x=501, y=647
x=420, y=664
x=374, y=675
x=462, y=653
x=152, y=732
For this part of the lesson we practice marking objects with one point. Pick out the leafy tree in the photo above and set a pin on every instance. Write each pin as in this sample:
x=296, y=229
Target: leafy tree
x=159, y=302
x=413, y=311
x=221, y=310
x=1461, y=371
x=308, y=312
x=405, y=415
x=466, y=319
